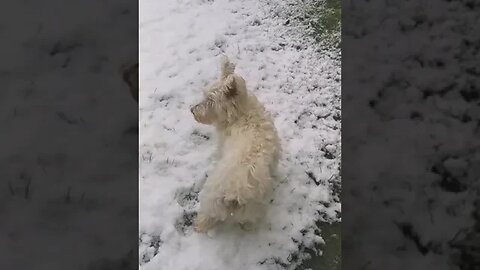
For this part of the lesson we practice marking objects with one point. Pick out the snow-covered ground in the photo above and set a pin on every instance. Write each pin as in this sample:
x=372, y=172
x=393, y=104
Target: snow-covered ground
x=68, y=158
x=180, y=45
x=412, y=150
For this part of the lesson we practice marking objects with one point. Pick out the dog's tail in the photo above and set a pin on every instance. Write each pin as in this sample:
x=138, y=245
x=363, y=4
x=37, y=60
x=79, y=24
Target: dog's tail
x=231, y=205
x=226, y=67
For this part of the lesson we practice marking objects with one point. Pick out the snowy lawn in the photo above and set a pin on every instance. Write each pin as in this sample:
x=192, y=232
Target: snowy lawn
x=180, y=45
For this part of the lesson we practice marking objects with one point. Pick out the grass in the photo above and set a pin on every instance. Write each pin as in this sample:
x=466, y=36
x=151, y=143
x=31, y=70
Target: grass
x=324, y=21
x=331, y=251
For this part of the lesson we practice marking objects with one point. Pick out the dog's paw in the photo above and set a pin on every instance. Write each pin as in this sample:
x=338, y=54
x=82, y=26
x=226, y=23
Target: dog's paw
x=200, y=228
x=203, y=223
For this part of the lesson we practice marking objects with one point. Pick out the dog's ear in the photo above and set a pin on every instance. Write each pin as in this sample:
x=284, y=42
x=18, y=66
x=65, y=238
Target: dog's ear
x=226, y=67
x=230, y=87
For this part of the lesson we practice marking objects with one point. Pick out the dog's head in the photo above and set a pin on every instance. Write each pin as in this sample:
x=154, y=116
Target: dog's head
x=223, y=100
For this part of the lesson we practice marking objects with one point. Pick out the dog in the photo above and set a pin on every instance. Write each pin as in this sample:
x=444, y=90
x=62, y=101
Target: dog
x=247, y=156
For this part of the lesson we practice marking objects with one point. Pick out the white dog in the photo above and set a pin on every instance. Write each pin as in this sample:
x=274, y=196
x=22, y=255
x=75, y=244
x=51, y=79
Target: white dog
x=248, y=153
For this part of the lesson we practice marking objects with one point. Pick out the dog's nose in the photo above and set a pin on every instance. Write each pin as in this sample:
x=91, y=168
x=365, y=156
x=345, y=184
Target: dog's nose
x=191, y=108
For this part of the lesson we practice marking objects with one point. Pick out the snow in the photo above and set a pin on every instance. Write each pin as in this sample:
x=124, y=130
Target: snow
x=180, y=46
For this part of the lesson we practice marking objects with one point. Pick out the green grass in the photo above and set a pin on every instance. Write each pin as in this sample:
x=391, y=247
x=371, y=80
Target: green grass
x=331, y=251
x=324, y=21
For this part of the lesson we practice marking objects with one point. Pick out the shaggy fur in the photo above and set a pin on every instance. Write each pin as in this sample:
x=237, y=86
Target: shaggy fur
x=248, y=153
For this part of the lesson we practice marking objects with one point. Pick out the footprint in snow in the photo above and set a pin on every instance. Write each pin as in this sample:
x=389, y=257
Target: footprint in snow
x=185, y=222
